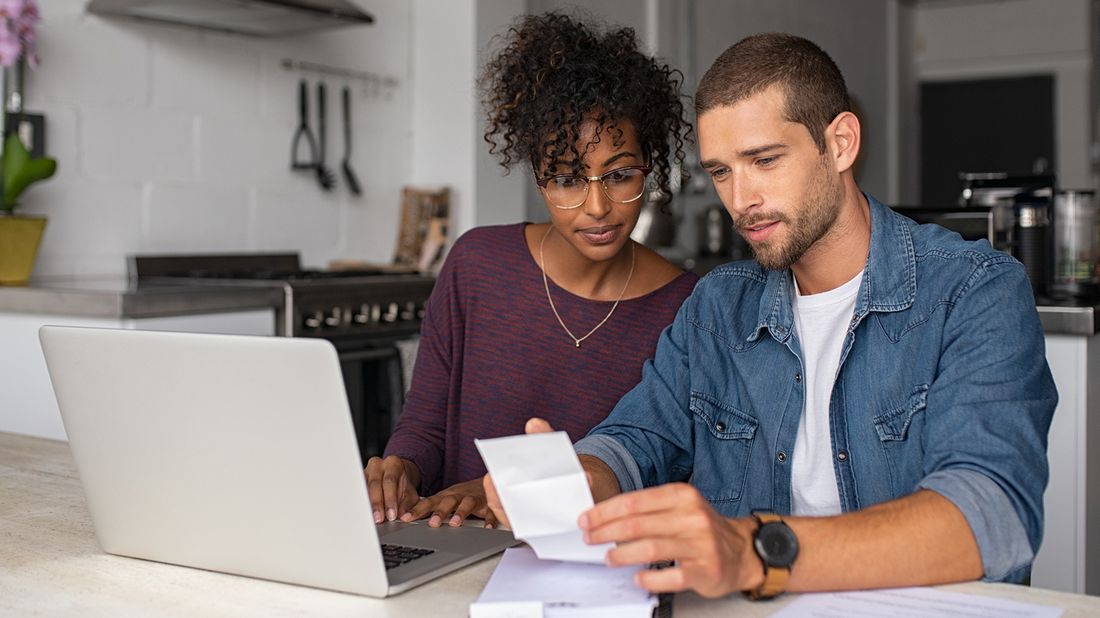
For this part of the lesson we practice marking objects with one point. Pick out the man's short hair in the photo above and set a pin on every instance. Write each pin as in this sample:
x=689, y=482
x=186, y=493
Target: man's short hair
x=809, y=79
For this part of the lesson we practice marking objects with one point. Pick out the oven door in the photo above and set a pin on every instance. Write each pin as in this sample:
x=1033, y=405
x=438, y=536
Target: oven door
x=374, y=379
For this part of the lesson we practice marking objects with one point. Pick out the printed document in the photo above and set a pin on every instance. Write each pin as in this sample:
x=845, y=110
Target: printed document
x=523, y=586
x=910, y=602
x=544, y=490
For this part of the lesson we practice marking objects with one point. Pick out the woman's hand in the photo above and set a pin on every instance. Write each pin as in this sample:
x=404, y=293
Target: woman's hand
x=391, y=485
x=454, y=504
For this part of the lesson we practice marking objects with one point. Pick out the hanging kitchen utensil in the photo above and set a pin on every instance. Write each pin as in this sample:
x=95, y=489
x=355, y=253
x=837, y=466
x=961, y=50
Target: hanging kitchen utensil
x=303, y=133
x=325, y=176
x=349, y=174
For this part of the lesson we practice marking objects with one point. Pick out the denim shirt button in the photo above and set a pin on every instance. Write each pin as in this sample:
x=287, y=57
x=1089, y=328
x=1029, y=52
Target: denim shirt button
x=781, y=457
x=842, y=456
x=719, y=426
x=798, y=378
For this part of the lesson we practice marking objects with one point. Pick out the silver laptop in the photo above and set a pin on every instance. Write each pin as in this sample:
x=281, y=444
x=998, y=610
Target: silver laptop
x=235, y=454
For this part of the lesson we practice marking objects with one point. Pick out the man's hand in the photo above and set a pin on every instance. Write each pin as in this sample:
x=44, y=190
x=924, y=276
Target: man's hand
x=456, y=503
x=534, y=425
x=714, y=555
x=391, y=485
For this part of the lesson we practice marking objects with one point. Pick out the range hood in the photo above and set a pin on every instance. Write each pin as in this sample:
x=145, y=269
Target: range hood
x=250, y=17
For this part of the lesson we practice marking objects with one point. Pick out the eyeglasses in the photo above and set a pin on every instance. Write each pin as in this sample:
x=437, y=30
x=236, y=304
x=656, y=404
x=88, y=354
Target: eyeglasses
x=622, y=185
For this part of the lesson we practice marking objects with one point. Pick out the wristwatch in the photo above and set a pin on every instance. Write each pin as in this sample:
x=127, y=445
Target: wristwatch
x=777, y=547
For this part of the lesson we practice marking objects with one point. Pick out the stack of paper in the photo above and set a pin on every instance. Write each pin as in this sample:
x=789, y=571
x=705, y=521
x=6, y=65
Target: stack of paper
x=544, y=490
x=523, y=586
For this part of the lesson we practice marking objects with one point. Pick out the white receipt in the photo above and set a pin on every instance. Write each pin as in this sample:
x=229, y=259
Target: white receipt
x=543, y=490
x=524, y=586
x=906, y=602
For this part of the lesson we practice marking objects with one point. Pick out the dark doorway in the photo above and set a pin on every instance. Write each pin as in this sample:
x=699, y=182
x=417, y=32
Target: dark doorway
x=988, y=125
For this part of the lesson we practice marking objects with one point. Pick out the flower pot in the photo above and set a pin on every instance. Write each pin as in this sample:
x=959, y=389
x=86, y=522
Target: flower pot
x=19, y=238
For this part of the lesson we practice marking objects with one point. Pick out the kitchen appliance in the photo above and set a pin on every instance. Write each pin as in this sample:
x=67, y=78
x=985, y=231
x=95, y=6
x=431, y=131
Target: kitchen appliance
x=1029, y=196
x=364, y=313
x=1076, y=251
x=1033, y=242
x=249, y=17
x=994, y=223
x=992, y=188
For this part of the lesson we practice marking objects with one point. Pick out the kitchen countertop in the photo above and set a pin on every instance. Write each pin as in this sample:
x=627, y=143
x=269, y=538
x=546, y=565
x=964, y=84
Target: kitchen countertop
x=118, y=297
x=53, y=566
x=1070, y=319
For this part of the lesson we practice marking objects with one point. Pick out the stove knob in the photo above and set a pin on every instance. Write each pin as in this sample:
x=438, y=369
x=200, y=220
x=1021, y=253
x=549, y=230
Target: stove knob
x=408, y=314
x=375, y=313
x=363, y=315
x=313, y=320
x=335, y=317
x=420, y=312
x=392, y=313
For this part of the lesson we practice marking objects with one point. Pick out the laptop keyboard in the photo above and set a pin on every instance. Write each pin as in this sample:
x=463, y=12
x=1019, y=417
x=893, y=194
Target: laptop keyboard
x=396, y=555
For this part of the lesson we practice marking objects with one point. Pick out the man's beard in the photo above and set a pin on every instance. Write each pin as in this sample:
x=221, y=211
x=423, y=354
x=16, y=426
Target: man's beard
x=819, y=211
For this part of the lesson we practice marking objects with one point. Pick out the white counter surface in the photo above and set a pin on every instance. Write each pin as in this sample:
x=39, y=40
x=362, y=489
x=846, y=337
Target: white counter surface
x=51, y=565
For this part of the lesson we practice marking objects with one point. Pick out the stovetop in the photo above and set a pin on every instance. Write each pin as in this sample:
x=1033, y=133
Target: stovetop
x=330, y=304
x=274, y=275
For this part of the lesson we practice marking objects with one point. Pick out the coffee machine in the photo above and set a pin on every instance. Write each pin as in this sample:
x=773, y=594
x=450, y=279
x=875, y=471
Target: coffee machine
x=1022, y=206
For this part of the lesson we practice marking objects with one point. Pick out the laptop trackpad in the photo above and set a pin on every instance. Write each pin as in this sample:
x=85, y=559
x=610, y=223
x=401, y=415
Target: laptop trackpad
x=461, y=540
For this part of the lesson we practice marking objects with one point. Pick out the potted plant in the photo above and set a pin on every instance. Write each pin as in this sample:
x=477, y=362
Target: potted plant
x=19, y=235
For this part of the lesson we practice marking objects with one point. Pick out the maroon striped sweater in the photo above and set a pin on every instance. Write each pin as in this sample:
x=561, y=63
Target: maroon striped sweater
x=492, y=355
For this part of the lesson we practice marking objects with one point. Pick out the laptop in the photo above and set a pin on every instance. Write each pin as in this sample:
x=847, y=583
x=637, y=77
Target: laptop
x=235, y=454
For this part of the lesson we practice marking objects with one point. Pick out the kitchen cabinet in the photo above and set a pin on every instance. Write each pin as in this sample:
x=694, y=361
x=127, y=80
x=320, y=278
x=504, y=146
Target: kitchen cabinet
x=1069, y=558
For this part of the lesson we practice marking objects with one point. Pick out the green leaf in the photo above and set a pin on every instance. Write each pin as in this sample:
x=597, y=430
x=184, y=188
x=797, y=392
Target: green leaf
x=20, y=171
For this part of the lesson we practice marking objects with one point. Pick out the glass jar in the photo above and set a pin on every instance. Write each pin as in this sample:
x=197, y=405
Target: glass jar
x=1076, y=245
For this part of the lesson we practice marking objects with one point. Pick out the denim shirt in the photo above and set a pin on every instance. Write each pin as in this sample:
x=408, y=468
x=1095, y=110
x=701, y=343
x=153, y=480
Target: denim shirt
x=943, y=385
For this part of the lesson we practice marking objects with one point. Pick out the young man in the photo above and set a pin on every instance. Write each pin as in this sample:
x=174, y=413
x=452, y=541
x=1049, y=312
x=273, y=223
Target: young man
x=864, y=405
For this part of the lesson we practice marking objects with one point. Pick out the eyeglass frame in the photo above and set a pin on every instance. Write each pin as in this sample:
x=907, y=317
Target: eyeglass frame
x=542, y=182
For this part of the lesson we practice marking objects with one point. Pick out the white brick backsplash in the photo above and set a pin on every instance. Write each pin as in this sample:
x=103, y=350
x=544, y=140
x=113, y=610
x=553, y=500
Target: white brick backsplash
x=90, y=61
x=370, y=231
x=301, y=218
x=137, y=144
x=204, y=72
x=244, y=150
x=92, y=225
x=188, y=217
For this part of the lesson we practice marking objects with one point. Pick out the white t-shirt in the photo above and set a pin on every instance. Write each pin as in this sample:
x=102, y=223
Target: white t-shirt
x=822, y=323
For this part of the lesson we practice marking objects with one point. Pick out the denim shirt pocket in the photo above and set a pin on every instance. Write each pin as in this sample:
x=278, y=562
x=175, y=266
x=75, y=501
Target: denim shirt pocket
x=724, y=437
x=899, y=430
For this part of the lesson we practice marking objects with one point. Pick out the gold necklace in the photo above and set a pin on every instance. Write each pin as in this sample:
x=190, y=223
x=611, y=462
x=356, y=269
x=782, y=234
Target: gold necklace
x=546, y=285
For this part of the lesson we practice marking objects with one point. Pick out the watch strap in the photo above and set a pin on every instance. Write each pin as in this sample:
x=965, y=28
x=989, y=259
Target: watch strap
x=775, y=578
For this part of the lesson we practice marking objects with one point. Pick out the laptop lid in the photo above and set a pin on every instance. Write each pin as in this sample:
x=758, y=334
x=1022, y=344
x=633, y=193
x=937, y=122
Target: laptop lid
x=228, y=453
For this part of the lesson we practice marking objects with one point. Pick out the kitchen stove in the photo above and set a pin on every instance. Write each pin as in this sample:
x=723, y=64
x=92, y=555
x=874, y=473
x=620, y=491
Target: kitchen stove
x=329, y=304
x=364, y=313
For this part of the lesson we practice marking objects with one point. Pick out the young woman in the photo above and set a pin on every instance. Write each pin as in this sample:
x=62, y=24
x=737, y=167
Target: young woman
x=554, y=319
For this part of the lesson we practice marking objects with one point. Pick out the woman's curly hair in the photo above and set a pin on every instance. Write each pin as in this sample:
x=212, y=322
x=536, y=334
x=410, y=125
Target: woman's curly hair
x=555, y=73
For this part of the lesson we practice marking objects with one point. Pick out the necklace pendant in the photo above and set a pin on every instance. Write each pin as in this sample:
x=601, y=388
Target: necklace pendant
x=578, y=343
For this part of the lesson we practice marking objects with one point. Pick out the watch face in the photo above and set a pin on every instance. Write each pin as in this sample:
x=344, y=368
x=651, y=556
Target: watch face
x=776, y=544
